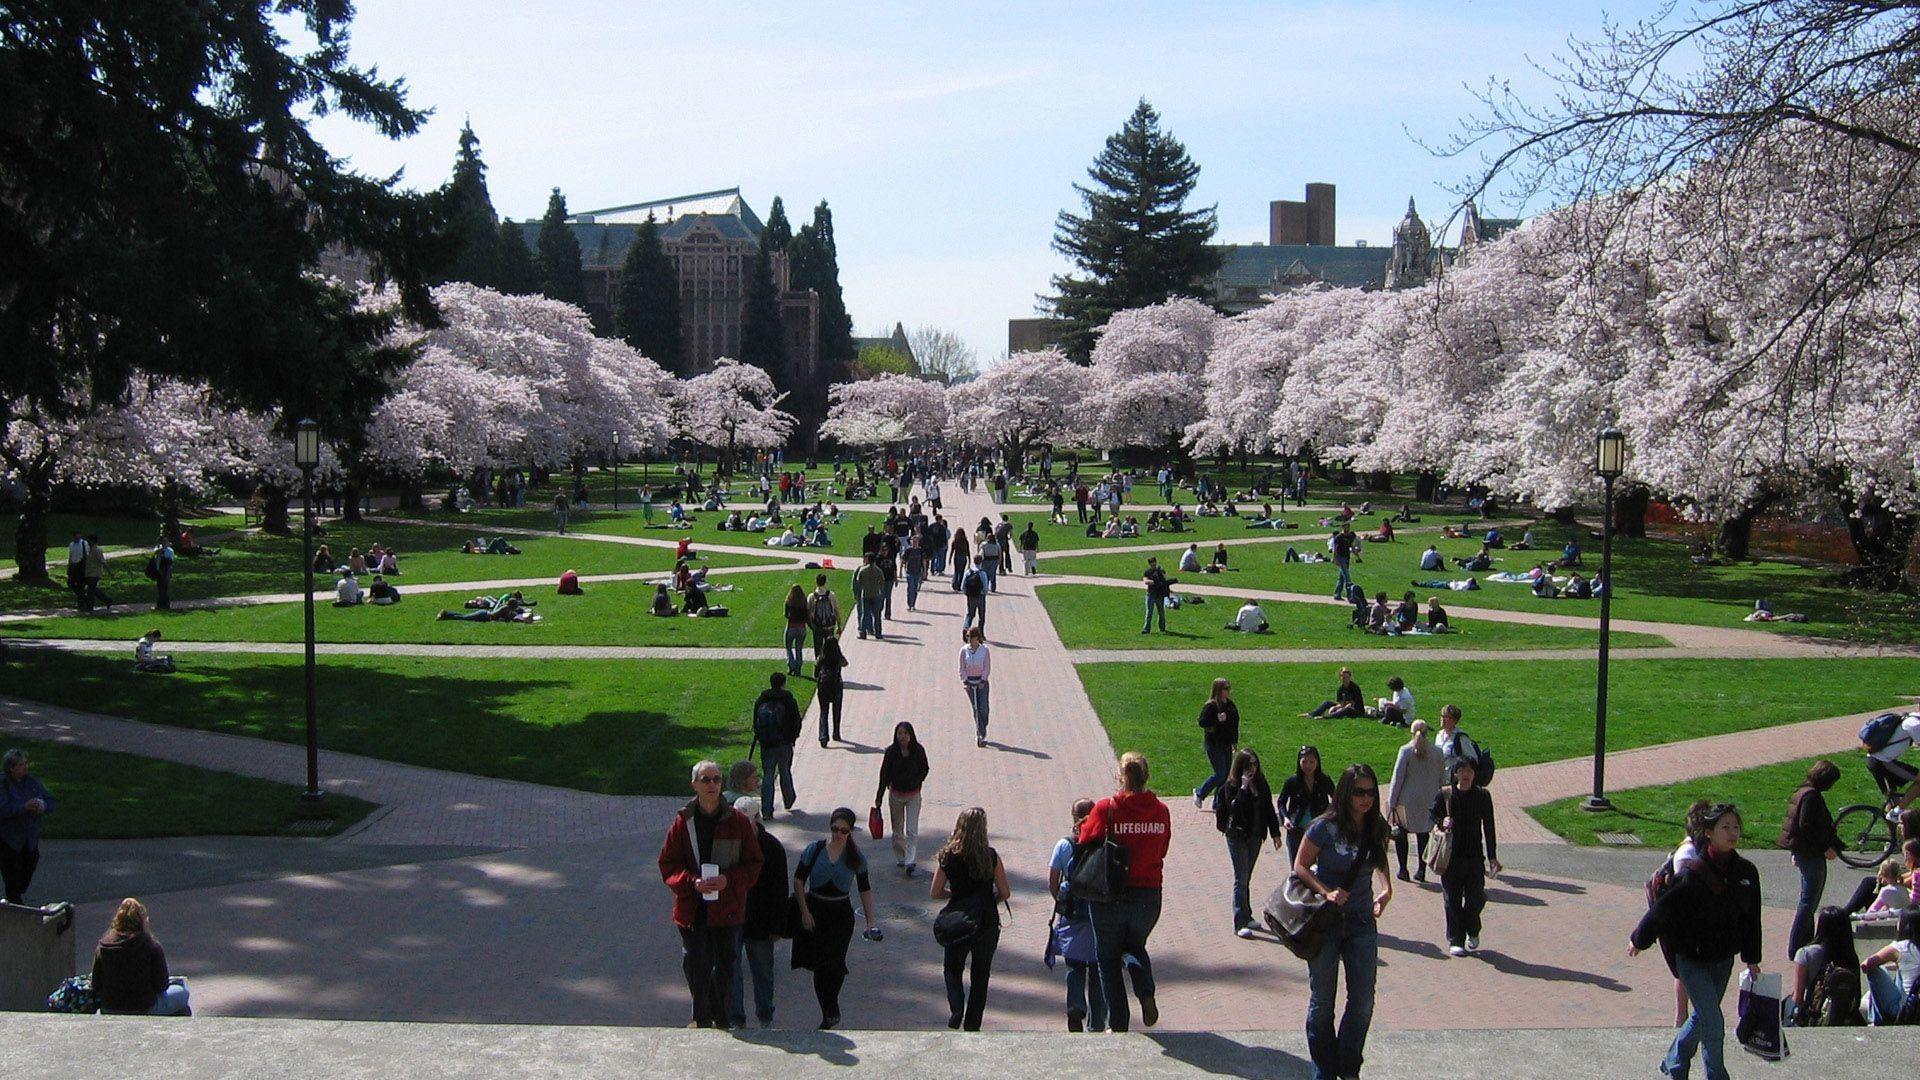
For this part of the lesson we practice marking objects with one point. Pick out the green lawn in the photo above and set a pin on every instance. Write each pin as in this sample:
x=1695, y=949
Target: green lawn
x=103, y=795
x=115, y=531
x=1657, y=582
x=1104, y=617
x=1537, y=710
x=617, y=727
x=1657, y=815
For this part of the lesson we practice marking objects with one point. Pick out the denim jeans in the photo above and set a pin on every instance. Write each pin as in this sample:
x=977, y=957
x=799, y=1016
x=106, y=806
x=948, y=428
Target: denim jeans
x=976, y=612
x=991, y=568
x=1220, y=757
x=968, y=999
x=1813, y=882
x=913, y=590
x=776, y=761
x=1243, y=853
x=1084, y=994
x=1355, y=947
x=1885, y=995
x=753, y=957
x=706, y=956
x=870, y=615
x=1120, y=929
x=1155, y=606
x=175, y=1000
x=1345, y=580
x=796, y=642
x=936, y=562
x=1706, y=1027
x=977, y=699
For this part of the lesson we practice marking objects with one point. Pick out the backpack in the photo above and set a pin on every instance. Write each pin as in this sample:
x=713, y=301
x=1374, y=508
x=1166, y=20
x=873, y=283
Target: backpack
x=823, y=611
x=769, y=722
x=1878, y=733
x=1483, y=765
x=152, y=569
x=1661, y=880
x=1833, y=999
x=972, y=585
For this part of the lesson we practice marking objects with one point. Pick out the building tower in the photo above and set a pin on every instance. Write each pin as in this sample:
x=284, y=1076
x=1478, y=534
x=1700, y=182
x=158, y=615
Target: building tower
x=1411, y=262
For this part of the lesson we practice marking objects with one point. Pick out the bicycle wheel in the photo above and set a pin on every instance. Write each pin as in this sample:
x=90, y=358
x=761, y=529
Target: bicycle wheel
x=1866, y=837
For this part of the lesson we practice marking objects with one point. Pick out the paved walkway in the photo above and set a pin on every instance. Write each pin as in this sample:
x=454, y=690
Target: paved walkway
x=570, y=917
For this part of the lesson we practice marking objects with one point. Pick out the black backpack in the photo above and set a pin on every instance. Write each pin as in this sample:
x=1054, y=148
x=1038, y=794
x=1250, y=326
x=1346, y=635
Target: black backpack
x=769, y=722
x=823, y=611
x=1833, y=999
x=972, y=584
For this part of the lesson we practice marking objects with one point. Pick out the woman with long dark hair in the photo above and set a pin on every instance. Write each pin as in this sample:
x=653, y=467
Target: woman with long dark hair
x=903, y=768
x=970, y=878
x=1245, y=814
x=829, y=685
x=1826, y=973
x=1888, y=989
x=798, y=616
x=1304, y=796
x=1220, y=733
x=830, y=872
x=1808, y=834
x=1342, y=853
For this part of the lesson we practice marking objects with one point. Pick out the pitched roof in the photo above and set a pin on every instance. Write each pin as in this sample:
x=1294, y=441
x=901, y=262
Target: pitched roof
x=724, y=202
x=1267, y=267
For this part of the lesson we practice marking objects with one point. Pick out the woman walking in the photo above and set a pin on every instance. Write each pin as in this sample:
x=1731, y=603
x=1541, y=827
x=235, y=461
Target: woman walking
x=799, y=616
x=1465, y=812
x=971, y=879
x=1341, y=854
x=1418, y=773
x=962, y=555
x=976, y=670
x=830, y=872
x=1245, y=813
x=829, y=686
x=1220, y=733
x=1710, y=913
x=903, y=768
x=1137, y=819
x=1808, y=834
x=1303, y=797
x=1072, y=936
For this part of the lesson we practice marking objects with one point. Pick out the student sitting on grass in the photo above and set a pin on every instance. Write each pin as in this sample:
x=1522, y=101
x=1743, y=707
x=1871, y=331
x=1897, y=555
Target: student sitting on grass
x=145, y=660
x=1525, y=543
x=1190, y=559
x=1406, y=615
x=1380, y=616
x=1436, y=616
x=507, y=607
x=1467, y=585
x=663, y=601
x=1577, y=588
x=1385, y=534
x=190, y=547
x=734, y=523
x=1250, y=619
x=382, y=593
x=1219, y=558
x=1430, y=559
x=347, y=592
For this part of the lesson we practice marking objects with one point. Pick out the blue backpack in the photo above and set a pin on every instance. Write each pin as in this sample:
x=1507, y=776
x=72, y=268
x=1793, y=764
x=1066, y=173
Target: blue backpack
x=1878, y=733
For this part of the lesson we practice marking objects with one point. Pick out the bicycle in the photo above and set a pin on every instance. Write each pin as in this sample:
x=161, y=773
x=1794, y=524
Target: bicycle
x=1867, y=837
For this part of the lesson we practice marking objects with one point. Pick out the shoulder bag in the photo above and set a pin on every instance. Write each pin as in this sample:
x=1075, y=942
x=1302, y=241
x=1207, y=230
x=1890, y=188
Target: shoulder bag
x=1440, y=852
x=1302, y=918
x=1099, y=869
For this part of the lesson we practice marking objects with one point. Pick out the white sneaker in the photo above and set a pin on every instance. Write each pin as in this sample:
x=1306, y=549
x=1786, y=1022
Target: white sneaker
x=1198, y=801
x=1456, y=950
x=1473, y=943
x=1244, y=932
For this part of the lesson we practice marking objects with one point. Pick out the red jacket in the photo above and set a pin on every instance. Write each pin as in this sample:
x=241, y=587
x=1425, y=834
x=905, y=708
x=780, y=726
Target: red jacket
x=680, y=867
x=1139, y=820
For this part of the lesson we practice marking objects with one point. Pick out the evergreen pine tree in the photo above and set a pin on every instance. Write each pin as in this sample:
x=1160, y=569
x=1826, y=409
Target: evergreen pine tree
x=1137, y=243
x=763, y=337
x=647, y=309
x=819, y=270
x=475, y=220
x=558, y=255
x=518, y=275
x=778, y=233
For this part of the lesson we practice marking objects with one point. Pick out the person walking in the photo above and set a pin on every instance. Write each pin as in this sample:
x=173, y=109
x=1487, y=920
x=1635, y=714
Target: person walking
x=1136, y=819
x=710, y=860
x=869, y=589
x=913, y=566
x=1245, y=814
x=646, y=505
x=1808, y=833
x=1303, y=797
x=77, y=572
x=1465, y=813
x=831, y=871
x=24, y=800
x=961, y=552
x=1003, y=538
x=799, y=616
x=1709, y=914
x=94, y=568
x=560, y=509
x=776, y=727
x=823, y=612
x=1341, y=855
x=1419, y=770
x=890, y=568
x=1343, y=544
x=1029, y=549
x=976, y=670
x=763, y=924
x=1071, y=936
x=1219, y=733
x=971, y=879
x=973, y=585
x=830, y=687
x=1158, y=589
x=934, y=545
x=903, y=768
x=990, y=554
x=161, y=570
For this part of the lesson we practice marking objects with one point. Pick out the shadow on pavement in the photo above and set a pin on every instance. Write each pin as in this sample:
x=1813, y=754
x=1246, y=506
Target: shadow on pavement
x=1222, y=1056
x=1519, y=882
x=1507, y=965
x=1418, y=948
x=828, y=1047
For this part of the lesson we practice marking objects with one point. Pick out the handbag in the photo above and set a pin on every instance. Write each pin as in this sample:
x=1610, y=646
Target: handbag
x=1440, y=853
x=1302, y=918
x=876, y=825
x=955, y=926
x=1759, y=1029
x=1099, y=869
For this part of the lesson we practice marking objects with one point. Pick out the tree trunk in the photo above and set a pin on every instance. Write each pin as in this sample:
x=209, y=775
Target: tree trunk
x=350, y=501
x=1426, y=484
x=1563, y=515
x=412, y=497
x=1735, y=539
x=30, y=538
x=1630, y=511
x=1883, y=540
x=170, y=510
x=1380, y=480
x=274, y=517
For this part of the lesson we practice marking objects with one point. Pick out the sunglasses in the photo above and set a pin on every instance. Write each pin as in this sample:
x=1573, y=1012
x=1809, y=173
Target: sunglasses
x=706, y=779
x=1367, y=792
x=839, y=830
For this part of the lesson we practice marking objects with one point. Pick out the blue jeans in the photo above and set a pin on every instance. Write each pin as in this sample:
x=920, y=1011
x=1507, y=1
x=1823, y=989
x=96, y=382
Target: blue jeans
x=1356, y=947
x=1220, y=757
x=869, y=615
x=1344, y=581
x=913, y=590
x=1886, y=993
x=754, y=956
x=1243, y=852
x=174, y=1000
x=936, y=561
x=1155, y=605
x=796, y=648
x=1120, y=929
x=1813, y=882
x=1706, y=1028
x=977, y=697
x=776, y=760
x=976, y=612
x=991, y=568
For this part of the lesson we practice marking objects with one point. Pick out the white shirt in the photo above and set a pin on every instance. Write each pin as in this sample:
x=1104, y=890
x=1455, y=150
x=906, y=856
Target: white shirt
x=1402, y=699
x=1189, y=562
x=349, y=590
x=976, y=662
x=143, y=650
x=1903, y=740
x=1249, y=619
x=77, y=551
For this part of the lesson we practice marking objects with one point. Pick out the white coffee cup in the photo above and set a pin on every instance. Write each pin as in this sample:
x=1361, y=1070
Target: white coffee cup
x=708, y=870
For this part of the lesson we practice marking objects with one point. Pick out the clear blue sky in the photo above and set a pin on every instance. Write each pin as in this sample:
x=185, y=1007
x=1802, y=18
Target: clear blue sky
x=946, y=136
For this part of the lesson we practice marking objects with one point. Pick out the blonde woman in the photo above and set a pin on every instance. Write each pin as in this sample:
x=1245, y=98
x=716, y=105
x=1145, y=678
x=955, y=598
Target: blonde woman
x=970, y=878
x=1418, y=774
x=130, y=969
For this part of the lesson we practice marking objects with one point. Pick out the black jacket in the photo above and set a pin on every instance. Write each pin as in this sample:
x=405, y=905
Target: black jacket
x=1707, y=914
x=902, y=771
x=1243, y=814
x=790, y=729
x=1298, y=805
x=767, y=900
x=1221, y=723
x=1808, y=830
x=1472, y=814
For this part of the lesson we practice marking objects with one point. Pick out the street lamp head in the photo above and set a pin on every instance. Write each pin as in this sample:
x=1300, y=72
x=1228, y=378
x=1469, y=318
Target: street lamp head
x=306, y=444
x=1610, y=453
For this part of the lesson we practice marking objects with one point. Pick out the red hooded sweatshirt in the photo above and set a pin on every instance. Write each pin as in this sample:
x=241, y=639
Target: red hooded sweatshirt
x=1140, y=822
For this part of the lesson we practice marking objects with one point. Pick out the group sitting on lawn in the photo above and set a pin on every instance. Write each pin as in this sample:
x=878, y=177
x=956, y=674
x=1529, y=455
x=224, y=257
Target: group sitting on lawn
x=481, y=545
x=1266, y=519
x=507, y=607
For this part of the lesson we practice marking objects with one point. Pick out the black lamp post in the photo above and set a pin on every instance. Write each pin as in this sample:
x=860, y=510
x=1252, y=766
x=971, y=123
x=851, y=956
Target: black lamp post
x=1609, y=461
x=616, y=470
x=306, y=454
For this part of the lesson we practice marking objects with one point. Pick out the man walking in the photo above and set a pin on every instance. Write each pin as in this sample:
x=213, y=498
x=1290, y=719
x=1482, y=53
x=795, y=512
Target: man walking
x=1003, y=535
x=1030, y=548
x=1342, y=544
x=710, y=859
x=869, y=589
x=776, y=727
x=77, y=572
x=161, y=570
x=823, y=611
x=913, y=564
x=974, y=585
x=95, y=564
x=1158, y=589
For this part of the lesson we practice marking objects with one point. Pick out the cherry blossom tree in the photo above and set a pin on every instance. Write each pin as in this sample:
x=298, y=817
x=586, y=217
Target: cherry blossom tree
x=1020, y=403
x=883, y=410
x=733, y=405
x=1148, y=376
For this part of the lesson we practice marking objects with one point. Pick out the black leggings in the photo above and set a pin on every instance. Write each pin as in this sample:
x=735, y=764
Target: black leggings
x=1400, y=849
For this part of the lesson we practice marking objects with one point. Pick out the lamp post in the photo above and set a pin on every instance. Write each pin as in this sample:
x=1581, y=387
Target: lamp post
x=306, y=454
x=1609, y=461
x=616, y=470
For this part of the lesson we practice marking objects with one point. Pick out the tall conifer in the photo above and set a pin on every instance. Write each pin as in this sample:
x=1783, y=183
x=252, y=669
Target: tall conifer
x=557, y=255
x=475, y=221
x=647, y=309
x=518, y=275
